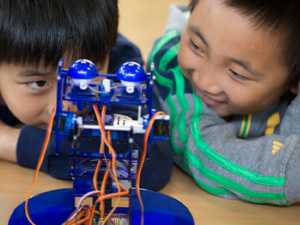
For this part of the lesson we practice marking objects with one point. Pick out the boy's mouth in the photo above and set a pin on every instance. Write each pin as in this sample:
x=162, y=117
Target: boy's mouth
x=209, y=101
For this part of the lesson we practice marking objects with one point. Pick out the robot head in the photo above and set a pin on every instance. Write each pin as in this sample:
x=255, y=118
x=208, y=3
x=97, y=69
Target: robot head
x=131, y=74
x=82, y=72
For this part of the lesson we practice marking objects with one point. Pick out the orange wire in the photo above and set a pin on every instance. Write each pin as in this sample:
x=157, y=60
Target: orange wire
x=81, y=214
x=103, y=185
x=111, y=222
x=138, y=175
x=107, y=218
x=110, y=149
x=95, y=178
x=97, y=169
x=46, y=142
x=86, y=213
x=114, y=175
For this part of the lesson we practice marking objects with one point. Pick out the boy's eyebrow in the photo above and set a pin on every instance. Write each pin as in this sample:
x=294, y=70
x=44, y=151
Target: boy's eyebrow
x=29, y=73
x=196, y=31
x=247, y=66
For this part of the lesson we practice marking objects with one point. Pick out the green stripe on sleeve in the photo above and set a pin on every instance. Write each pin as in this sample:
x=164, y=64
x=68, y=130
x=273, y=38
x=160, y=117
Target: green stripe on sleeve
x=206, y=187
x=168, y=56
x=179, y=81
x=164, y=40
x=219, y=179
x=167, y=82
x=222, y=161
x=181, y=126
x=264, y=202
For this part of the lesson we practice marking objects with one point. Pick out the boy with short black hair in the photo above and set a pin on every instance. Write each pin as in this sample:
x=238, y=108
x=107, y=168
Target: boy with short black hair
x=34, y=35
x=229, y=79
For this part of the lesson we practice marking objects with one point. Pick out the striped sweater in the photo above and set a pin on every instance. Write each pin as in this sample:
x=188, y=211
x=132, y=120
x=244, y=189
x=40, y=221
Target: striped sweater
x=259, y=168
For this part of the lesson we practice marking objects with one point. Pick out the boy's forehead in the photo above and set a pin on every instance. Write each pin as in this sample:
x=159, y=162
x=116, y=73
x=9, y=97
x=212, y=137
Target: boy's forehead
x=27, y=69
x=204, y=8
x=209, y=9
x=223, y=29
x=50, y=67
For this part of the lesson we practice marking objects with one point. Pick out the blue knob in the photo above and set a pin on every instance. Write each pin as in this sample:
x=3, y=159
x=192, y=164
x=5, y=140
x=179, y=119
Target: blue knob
x=131, y=72
x=83, y=69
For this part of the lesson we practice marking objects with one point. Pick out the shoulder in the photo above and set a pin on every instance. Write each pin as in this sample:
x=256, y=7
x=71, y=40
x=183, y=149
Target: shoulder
x=178, y=17
x=124, y=51
x=165, y=50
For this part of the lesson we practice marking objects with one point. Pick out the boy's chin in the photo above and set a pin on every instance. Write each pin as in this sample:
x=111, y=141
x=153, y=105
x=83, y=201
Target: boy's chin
x=220, y=111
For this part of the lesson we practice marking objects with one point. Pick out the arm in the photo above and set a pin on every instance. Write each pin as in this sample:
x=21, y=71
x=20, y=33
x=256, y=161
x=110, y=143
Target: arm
x=8, y=142
x=224, y=165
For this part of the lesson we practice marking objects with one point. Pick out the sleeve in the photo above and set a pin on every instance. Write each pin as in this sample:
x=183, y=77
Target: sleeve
x=259, y=170
x=29, y=147
x=178, y=17
x=5, y=115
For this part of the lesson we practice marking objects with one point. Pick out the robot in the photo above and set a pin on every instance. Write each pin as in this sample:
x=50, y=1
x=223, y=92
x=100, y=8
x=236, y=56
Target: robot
x=131, y=85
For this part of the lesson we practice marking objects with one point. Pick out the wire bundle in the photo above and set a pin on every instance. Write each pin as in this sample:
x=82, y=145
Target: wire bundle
x=85, y=214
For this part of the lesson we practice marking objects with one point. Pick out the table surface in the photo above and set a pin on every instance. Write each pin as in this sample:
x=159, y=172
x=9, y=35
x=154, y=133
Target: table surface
x=205, y=208
x=142, y=21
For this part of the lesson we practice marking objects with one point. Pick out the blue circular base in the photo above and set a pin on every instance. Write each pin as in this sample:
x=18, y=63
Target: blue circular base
x=56, y=206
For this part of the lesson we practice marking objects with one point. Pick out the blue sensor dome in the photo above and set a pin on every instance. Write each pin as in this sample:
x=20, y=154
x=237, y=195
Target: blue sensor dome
x=131, y=72
x=83, y=69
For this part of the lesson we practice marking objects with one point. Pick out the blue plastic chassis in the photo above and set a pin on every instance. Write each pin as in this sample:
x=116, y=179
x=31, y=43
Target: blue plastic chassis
x=82, y=162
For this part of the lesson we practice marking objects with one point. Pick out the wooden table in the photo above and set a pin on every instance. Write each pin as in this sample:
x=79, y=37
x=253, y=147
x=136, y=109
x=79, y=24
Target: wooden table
x=142, y=21
x=206, y=208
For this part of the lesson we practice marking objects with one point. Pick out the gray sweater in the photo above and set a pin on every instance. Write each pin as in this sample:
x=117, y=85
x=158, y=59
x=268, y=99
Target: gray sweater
x=254, y=157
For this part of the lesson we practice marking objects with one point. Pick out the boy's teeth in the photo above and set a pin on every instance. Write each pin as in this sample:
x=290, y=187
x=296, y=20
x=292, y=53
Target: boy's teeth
x=207, y=97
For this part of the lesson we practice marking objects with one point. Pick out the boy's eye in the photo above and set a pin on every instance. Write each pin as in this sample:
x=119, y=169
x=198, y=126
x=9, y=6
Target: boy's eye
x=194, y=46
x=238, y=76
x=38, y=84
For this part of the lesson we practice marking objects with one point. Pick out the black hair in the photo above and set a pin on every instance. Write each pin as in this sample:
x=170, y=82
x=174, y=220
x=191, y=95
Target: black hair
x=43, y=31
x=280, y=17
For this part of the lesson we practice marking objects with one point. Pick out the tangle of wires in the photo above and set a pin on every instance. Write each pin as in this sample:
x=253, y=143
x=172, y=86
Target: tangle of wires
x=86, y=214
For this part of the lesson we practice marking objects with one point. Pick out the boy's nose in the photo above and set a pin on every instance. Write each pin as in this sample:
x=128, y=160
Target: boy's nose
x=208, y=82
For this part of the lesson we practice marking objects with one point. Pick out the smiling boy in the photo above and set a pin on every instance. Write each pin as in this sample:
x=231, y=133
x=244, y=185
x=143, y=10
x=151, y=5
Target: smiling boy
x=232, y=66
x=232, y=72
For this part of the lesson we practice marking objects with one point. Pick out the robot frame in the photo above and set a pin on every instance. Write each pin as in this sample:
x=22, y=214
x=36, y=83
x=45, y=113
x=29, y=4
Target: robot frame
x=131, y=85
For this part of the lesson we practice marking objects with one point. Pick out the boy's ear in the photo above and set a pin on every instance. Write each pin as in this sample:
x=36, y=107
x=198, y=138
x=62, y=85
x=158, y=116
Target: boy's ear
x=294, y=87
